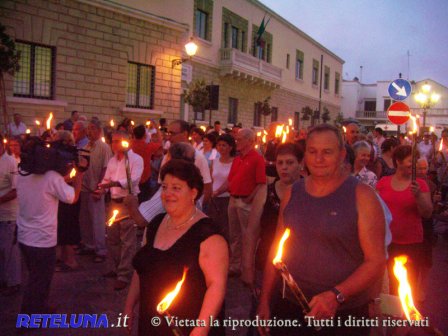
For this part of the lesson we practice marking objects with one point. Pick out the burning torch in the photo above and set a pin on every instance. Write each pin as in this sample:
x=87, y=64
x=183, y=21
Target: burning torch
x=125, y=145
x=162, y=307
x=287, y=277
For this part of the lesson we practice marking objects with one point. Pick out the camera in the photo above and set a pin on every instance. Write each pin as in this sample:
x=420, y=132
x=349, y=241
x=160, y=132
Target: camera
x=38, y=157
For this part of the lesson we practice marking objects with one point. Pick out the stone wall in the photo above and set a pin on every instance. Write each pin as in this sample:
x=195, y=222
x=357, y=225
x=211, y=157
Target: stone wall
x=93, y=46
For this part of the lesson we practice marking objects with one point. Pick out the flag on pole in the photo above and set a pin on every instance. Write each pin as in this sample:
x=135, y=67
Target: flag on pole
x=262, y=29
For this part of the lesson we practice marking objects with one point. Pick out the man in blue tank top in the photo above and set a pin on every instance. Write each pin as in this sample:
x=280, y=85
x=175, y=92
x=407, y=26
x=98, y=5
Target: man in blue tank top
x=336, y=249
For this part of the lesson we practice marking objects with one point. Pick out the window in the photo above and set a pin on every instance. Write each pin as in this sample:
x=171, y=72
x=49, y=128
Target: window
x=140, y=86
x=233, y=111
x=296, y=120
x=203, y=19
x=234, y=37
x=243, y=39
x=257, y=114
x=299, y=64
x=35, y=79
x=201, y=24
x=370, y=105
x=268, y=53
x=226, y=35
x=315, y=75
x=199, y=115
x=337, y=79
x=287, y=61
x=327, y=78
x=386, y=104
x=274, y=114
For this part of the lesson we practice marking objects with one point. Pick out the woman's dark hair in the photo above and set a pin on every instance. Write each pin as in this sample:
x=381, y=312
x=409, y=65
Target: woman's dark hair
x=184, y=171
x=139, y=132
x=227, y=138
x=199, y=131
x=388, y=144
x=289, y=148
x=401, y=153
x=212, y=138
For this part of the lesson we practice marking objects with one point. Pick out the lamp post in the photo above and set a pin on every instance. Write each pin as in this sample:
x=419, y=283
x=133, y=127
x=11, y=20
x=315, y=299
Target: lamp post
x=426, y=99
x=190, y=49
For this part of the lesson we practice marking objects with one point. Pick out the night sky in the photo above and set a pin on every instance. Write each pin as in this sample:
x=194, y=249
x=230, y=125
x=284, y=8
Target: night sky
x=377, y=35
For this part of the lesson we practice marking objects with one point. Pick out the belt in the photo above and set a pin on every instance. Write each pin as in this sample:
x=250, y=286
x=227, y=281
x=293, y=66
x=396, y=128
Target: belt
x=239, y=196
x=118, y=200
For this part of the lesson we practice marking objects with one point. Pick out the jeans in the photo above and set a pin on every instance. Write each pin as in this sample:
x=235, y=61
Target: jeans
x=40, y=262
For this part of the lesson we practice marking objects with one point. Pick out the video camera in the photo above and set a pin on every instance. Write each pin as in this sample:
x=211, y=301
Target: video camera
x=38, y=157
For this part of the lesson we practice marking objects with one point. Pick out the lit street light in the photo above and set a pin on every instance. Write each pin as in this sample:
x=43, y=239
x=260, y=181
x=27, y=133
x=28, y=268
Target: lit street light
x=426, y=99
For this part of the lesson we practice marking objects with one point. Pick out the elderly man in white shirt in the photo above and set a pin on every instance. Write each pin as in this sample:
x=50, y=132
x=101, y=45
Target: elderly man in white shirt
x=17, y=127
x=122, y=177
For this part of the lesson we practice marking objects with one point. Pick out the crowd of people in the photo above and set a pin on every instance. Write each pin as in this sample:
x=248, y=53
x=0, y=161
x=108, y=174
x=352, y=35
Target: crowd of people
x=213, y=203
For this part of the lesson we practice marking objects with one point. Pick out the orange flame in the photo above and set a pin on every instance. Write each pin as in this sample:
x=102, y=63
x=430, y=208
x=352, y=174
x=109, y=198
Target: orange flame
x=125, y=144
x=414, y=124
x=103, y=139
x=112, y=219
x=284, y=137
x=258, y=134
x=290, y=122
x=28, y=131
x=345, y=129
x=37, y=122
x=264, y=138
x=404, y=289
x=265, y=132
x=132, y=123
x=278, y=257
x=50, y=117
x=112, y=123
x=73, y=173
x=148, y=123
x=5, y=141
x=441, y=145
x=278, y=131
x=169, y=298
x=203, y=128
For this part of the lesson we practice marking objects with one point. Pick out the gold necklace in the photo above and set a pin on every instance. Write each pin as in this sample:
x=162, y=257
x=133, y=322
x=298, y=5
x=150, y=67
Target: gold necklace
x=179, y=226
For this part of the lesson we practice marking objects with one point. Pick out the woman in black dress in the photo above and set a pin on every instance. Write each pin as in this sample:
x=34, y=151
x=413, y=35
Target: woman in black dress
x=183, y=237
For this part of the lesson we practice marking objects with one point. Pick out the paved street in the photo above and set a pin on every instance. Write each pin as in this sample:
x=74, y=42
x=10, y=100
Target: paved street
x=86, y=291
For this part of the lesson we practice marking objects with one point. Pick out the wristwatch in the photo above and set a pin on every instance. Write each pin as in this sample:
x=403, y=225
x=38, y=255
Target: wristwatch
x=339, y=296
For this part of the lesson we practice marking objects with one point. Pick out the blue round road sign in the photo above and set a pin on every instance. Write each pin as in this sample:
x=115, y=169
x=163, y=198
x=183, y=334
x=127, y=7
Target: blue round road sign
x=400, y=89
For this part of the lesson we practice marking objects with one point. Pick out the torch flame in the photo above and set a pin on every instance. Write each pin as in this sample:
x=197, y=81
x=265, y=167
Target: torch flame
x=345, y=129
x=103, y=139
x=287, y=129
x=414, y=124
x=265, y=132
x=441, y=145
x=132, y=122
x=112, y=123
x=37, y=122
x=258, y=134
x=284, y=137
x=404, y=289
x=264, y=138
x=112, y=219
x=73, y=173
x=148, y=123
x=125, y=144
x=278, y=257
x=5, y=141
x=169, y=298
x=203, y=128
x=28, y=131
x=290, y=122
x=278, y=131
x=50, y=117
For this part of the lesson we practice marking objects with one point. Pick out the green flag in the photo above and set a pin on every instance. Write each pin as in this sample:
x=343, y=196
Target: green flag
x=262, y=29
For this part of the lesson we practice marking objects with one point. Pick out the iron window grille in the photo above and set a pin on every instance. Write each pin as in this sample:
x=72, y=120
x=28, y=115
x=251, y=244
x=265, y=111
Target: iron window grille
x=36, y=76
x=140, y=87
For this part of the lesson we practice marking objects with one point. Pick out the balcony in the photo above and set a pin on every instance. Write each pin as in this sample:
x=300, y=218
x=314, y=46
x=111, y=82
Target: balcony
x=244, y=66
x=371, y=115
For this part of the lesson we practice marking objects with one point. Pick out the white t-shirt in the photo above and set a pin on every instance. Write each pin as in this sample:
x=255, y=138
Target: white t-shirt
x=220, y=174
x=425, y=150
x=8, y=180
x=38, y=197
x=17, y=130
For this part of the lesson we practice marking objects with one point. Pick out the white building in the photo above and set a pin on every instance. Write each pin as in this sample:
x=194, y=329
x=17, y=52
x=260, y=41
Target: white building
x=368, y=103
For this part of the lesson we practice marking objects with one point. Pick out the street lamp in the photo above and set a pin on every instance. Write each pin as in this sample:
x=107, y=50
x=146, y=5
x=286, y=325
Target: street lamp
x=426, y=99
x=190, y=49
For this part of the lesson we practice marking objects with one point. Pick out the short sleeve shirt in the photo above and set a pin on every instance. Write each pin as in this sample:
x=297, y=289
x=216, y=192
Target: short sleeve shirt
x=246, y=172
x=100, y=154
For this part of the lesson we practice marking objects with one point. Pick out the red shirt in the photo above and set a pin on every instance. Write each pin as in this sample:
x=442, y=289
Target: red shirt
x=406, y=225
x=246, y=172
x=145, y=150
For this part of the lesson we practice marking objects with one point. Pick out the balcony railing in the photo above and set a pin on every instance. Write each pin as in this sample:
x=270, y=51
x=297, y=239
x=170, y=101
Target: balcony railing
x=233, y=61
x=374, y=115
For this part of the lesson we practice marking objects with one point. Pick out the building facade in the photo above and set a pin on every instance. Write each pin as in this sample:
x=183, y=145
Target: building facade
x=368, y=103
x=114, y=59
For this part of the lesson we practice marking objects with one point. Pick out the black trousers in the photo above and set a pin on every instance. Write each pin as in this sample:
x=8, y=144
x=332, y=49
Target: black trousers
x=40, y=262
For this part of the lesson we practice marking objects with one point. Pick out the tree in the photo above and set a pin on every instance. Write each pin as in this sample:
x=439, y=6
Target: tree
x=307, y=113
x=9, y=64
x=339, y=119
x=197, y=95
x=325, y=115
x=265, y=108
